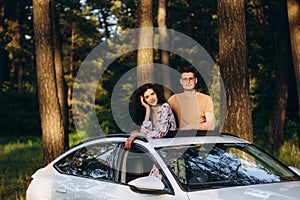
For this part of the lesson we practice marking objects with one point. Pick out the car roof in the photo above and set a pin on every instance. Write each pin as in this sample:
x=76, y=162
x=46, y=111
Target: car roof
x=164, y=142
x=180, y=137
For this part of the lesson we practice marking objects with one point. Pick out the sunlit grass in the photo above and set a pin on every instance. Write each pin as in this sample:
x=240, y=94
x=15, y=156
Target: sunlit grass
x=290, y=153
x=19, y=159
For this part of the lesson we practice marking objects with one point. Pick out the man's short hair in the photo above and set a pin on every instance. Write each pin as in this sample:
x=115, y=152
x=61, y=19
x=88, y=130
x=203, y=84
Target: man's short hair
x=187, y=69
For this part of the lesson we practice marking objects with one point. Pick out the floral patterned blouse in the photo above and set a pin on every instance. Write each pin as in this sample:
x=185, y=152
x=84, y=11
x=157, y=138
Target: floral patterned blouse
x=165, y=122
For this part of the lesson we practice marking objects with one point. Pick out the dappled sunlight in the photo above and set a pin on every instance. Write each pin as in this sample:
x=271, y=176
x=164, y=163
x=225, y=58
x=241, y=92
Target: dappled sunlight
x=18, y=145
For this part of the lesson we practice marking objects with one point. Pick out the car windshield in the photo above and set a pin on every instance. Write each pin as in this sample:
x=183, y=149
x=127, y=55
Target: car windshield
x=203, y=166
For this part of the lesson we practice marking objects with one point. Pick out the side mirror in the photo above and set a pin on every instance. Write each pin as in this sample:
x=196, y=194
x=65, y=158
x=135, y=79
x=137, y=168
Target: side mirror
x=296, y=170
x=147, y=184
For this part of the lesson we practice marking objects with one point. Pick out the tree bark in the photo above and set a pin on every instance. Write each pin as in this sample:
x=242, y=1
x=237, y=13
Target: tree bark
x=293, y=10
x=18, y=41
x=145, y=54
x=163, y=38
x=71, y=67
x=2, y=44
x=233, y=66
x=51, y=119
x=59, y=74
x=277, y=121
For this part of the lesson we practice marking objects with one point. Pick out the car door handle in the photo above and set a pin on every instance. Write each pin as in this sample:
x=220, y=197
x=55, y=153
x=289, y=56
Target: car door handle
x=61, y=190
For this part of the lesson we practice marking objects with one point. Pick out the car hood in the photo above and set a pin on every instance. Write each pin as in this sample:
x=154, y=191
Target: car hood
x=274, y=191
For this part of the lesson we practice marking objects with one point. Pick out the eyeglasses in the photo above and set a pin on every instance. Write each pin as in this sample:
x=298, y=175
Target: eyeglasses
x=190, y=79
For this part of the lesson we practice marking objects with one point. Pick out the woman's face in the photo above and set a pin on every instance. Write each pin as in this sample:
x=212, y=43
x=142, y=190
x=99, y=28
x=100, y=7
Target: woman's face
x=150, y=97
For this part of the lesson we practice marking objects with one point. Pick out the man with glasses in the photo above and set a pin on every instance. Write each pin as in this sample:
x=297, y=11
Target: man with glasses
x=194, y=110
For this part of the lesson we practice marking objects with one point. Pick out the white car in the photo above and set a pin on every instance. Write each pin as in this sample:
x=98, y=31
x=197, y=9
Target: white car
x=187, y=165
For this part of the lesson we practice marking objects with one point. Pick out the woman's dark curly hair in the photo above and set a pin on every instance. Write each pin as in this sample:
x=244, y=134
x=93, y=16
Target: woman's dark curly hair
x=160, y=96
x=137, y=111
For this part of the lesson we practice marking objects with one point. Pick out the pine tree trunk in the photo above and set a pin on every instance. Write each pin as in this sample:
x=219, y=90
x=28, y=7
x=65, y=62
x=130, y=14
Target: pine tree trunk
x=18, y=37
x=71, y=67
x=277, y=121
x=294, y=25
x=20, y=79
x=232, y=60
x=50, y=113
x=59, y=74
x=145, y=47
x=163, y=38
x=2, y=44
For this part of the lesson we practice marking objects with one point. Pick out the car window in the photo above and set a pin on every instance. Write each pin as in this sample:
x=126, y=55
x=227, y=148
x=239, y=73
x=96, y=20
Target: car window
x=97, y=161
x=138, y=162
x=223, y=165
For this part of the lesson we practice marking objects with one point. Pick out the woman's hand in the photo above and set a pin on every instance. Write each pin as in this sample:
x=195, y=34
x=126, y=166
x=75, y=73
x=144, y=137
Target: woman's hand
x=132, y=137
x=129, y=141
x=144, y=103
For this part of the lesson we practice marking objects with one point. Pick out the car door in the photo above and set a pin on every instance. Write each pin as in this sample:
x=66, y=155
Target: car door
x=136, y=163
x=87, y=171
x=72, y=187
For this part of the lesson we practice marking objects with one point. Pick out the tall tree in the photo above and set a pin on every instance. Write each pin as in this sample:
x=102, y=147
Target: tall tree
x=2, y=44
x=51, y=117
x=145, y=54
x=164, y=55
x=71, y=64
x=280, y=27
x=233, y=67
x=20, y=69
x=59, y=73
x=294, y=25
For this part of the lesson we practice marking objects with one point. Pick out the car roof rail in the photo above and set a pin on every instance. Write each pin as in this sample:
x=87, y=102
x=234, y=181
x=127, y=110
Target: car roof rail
x=229, y=134
x=112, y=135
x=126, y=135
x=193, y=133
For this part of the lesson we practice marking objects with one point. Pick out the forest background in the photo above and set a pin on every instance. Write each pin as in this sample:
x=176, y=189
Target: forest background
x=85, y=24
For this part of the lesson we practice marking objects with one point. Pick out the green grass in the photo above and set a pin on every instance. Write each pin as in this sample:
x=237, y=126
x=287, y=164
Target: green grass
x=289, y=152
x=19, y=159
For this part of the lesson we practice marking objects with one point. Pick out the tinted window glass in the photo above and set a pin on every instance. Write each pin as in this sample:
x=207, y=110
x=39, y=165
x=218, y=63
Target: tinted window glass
x=96, y=161
x=222, y=165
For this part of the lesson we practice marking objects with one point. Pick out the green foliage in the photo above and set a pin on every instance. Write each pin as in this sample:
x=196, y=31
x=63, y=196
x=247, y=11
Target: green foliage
x=74, y=139
x=106, y=88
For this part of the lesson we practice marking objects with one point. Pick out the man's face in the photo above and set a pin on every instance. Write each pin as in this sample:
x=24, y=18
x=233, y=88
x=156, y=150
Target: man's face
x=188, y=81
